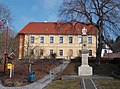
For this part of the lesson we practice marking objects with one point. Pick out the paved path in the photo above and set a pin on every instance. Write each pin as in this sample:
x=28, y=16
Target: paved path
x=86, y=81
x=40, y=84
x=88, y=84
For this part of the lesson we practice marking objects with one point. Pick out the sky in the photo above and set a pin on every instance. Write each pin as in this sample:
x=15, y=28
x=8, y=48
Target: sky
x=25, y=11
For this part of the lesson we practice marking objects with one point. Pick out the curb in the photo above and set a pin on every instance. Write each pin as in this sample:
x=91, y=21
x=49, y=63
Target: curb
x=115, y=75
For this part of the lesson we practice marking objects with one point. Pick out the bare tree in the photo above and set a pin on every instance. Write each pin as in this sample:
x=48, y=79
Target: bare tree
x=103, y=14
x=4, y=13
x=31, y=53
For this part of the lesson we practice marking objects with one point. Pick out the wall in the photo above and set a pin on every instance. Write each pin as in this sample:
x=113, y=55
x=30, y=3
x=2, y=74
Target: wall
x=56, y=46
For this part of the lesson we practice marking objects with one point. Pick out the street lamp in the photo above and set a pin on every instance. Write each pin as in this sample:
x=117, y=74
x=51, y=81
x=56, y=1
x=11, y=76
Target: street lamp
x=4, y=23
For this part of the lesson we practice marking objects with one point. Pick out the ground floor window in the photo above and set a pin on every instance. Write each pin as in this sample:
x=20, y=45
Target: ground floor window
x=70, y=52
x=51, y=51
x=61, y=52
x=41, y=52
x=90, y=52
x=32, y=52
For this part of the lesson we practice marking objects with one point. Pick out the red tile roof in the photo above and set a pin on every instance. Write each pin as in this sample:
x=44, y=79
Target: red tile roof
x=54, y=28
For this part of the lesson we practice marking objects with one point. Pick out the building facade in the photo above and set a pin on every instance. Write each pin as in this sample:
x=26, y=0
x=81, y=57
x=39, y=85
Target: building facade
x=41, y=39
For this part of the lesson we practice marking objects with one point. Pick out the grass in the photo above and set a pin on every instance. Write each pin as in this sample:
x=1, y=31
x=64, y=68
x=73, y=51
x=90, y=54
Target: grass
x=108, y=83
x=65, y=84
x=104, y=69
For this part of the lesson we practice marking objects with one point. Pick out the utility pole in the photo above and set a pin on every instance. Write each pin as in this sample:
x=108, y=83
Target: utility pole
x=4, y=23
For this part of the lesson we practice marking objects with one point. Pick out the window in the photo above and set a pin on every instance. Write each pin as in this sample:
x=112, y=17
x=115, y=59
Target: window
x=42, y=39
x=41, y=52
x=90, y=52
x=70, y=39
x=80, y=39
x=105, y=51
x=70, y=52
x=89, y=39
x=51, y=39
x=61, y=39
x=32, y=39
x=32, y=52
x=51, y=51
x=61, y=52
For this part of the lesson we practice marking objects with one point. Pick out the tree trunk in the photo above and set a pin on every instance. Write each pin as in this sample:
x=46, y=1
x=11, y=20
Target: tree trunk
x=98, y=53
x=100, y=45
x=30, y=68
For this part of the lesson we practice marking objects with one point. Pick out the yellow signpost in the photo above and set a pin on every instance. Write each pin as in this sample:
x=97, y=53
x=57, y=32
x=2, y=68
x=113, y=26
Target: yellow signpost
x=9, y=66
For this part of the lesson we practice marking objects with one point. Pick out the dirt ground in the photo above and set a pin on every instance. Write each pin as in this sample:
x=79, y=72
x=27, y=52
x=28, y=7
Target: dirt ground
x=20, y=78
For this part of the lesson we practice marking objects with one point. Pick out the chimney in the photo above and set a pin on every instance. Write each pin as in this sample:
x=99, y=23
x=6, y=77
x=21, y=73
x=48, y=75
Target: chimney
x=58, y=22
x=45, y=21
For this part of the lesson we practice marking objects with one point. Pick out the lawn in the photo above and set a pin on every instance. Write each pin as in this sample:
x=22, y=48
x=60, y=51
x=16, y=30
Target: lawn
x=108, y=83
x=104, y=69
x=65, y=84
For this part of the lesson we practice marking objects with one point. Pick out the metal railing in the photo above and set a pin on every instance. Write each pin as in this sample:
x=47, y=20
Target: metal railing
x=54, y=71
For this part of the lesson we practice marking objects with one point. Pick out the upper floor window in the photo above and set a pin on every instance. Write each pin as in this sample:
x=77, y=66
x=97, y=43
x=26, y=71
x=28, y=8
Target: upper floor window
x=89, y=39
x=60, y=39
x=32, y=39
x=51, y=39
x=80, y=39
x=70, y=39
x=42, y=39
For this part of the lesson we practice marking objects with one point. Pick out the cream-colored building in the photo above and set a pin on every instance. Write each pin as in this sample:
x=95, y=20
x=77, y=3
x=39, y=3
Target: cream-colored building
x=41, y=39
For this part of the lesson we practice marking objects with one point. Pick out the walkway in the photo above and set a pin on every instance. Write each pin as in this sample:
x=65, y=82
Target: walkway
x=86, y=81
x=88, y=84
x=40, y=84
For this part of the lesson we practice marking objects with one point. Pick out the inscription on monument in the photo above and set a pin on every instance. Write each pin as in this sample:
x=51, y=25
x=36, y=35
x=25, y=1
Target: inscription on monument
x=85, y=59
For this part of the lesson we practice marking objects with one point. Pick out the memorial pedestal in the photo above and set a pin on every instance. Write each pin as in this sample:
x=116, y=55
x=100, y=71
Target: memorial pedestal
x=85, y=69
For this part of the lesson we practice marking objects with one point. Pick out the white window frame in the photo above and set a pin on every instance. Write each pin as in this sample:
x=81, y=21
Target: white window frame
x=70, y=40
x=80, y=39
x=89, y=39
x=51, y=40
x=32, y=39
x=61, y=39
x=42, y=40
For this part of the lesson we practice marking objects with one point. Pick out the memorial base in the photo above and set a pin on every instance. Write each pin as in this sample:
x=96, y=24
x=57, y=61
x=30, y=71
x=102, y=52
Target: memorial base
x=85, y=70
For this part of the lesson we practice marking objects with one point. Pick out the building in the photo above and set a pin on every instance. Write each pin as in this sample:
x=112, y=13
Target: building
x=111, y=50
x=42, y=39
x=106, y=51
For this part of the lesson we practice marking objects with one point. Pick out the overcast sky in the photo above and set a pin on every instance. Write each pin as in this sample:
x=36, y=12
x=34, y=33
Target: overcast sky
x=25, y=11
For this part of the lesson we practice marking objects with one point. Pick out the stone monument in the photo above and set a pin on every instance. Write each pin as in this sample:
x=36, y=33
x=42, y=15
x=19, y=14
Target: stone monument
x=84, y=69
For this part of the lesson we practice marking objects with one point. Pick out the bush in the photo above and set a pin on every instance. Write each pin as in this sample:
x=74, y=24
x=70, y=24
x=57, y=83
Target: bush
x=116, y=61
